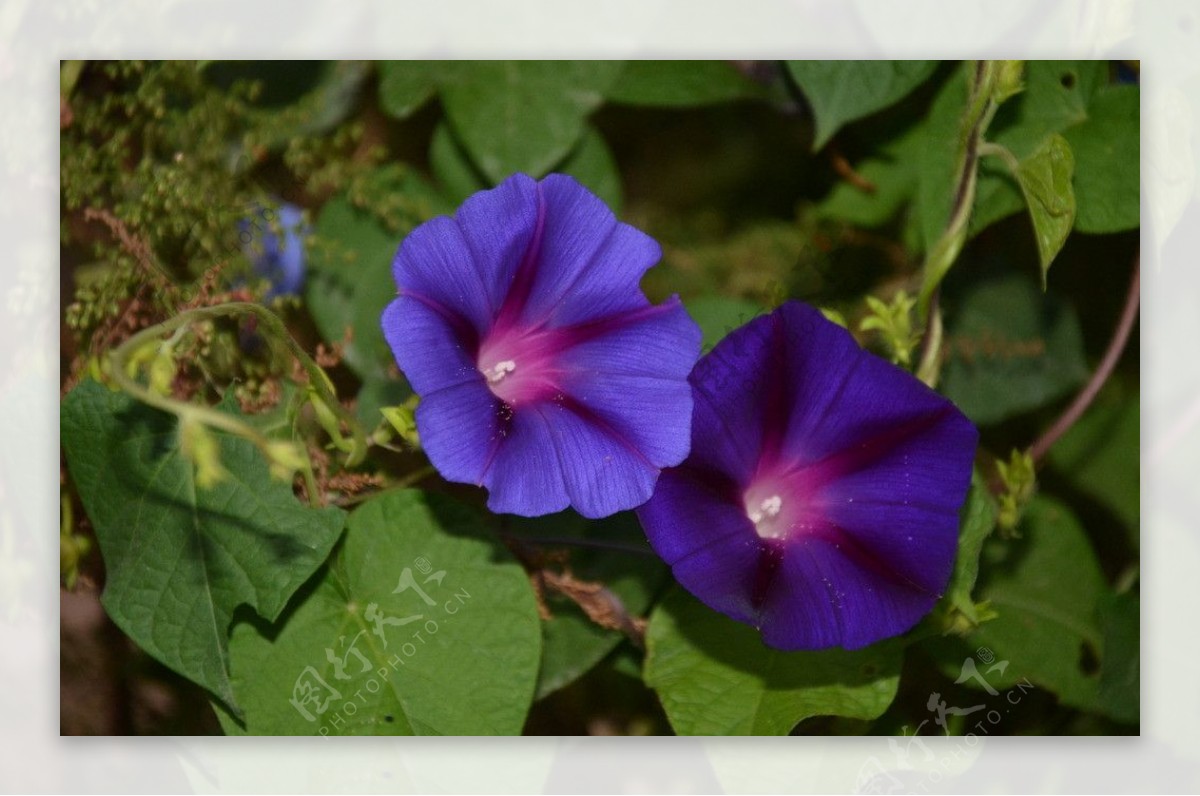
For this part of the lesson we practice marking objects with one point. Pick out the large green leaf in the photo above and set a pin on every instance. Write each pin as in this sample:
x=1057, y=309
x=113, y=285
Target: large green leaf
x=843, y=91
x=349, y=278
x=1057, y=626
x=522, y=116
x=179, y=559
x=1046, y=587
x=620, y=560
x=714, y=676
x=1011, y=348
x=681, y=83
x=1099, y=455
x=423, y=624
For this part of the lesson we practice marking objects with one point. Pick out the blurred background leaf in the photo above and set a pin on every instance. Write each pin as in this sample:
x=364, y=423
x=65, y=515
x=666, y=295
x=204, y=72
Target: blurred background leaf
x=350, y=259
x=404, y=86
x=590, y=161
x=844, y=91
x=522, y=116
x=1010, y=349
x=682, y=84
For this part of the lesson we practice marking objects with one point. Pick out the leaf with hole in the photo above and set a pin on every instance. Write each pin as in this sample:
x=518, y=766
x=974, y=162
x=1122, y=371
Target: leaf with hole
x=1046, y=587
x=1071, y=98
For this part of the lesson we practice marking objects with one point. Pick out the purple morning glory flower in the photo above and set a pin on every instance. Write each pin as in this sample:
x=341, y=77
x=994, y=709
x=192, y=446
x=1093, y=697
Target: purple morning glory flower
x=545, y=374
x=281, y=262
x=820, y=499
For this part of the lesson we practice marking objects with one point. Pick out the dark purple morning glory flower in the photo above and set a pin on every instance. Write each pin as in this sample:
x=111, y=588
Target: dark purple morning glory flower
x=820, y=499
x=545, y=374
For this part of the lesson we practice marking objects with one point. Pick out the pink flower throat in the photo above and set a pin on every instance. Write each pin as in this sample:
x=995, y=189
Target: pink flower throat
x=520, y=365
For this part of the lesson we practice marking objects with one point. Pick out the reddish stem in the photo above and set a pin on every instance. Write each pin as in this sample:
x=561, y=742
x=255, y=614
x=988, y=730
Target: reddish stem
x=843, y=169
x=1084, y=399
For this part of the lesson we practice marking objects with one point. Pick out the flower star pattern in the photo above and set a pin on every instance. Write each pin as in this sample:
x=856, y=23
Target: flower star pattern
x=545, y=374
x=820, y=499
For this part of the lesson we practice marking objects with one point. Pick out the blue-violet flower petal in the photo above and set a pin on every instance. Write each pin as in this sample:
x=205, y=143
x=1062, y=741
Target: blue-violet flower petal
x=820, y=499
x=545, y=374
x=279, y=261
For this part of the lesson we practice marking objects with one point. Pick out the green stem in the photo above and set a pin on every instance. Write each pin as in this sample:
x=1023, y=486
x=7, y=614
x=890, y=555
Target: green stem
x=119, y=359
x=991, y=82
x=930, y=366
x=407, y=482
x=981, y=107
x=316, y=375
x=274, y=329
x=989, y=149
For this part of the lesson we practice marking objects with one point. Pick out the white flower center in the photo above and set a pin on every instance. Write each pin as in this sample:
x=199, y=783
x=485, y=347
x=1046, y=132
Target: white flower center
x=776, y=507
x=496, y=373
x=764, y=516
x=767, y=509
